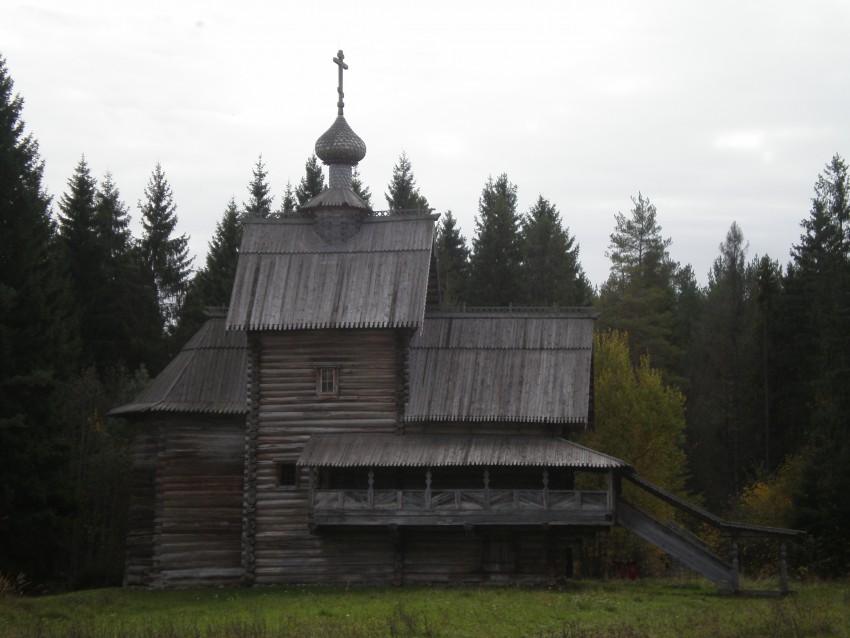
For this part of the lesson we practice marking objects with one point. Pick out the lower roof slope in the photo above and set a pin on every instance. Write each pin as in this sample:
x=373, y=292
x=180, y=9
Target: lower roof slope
x=450, y=450
x=208, y=376
x=502, y=366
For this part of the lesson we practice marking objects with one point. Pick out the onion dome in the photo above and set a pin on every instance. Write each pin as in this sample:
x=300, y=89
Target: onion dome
x=340, y=145
x=340, y=148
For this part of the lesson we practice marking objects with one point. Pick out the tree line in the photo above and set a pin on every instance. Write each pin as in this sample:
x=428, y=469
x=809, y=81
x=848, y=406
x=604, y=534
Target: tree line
x=733, y=393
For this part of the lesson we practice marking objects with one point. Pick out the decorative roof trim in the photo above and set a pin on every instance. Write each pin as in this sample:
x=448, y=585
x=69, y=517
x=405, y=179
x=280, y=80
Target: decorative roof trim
x=517, y=312
x=375, y=217
x=325, y=326
x=168, y=407
x=493, y=418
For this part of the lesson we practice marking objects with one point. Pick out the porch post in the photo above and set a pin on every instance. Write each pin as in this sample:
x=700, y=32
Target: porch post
x=486, y=489
x=546, y=488
x=783, y=568
x=310, y=484
x=735, y=565
x=428, y=489
x=370, y=495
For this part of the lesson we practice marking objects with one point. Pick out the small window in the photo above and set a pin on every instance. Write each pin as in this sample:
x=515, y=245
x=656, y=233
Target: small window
x=327, y=383
x=287, y=475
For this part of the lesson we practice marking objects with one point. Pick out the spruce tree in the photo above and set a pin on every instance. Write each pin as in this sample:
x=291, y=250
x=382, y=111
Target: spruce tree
x=216, y=278
x=112, y=217
x=288, y=203
x=313, y=182
x=402, y=192
x=766, y=276
x=37, y=352
x=166, y=255
x=495, y=261
x=819, y=364
x=86, y=257
x=452, y=262
x=359, y=189
x=722, y=436
x=259, y=203
x=551, y=273
x=127, y=316
x=212, y=285
x=687, y=309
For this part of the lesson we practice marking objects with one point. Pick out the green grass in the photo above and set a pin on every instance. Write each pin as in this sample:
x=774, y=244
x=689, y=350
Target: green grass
x=586, y=609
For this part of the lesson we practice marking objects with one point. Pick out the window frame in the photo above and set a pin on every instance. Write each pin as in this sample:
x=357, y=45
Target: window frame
x=321, y=380
x=284, y=469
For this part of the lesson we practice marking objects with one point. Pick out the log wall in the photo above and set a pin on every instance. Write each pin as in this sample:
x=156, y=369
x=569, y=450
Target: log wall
x=289, y=411
x=186, y=523
x=140, y=522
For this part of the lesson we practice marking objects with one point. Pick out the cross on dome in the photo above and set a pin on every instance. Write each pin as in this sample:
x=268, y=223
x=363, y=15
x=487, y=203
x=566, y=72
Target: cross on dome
x=340, y=149
x=342, y=66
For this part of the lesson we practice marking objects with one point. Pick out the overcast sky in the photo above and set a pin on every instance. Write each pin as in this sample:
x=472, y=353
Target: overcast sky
x=717, y=111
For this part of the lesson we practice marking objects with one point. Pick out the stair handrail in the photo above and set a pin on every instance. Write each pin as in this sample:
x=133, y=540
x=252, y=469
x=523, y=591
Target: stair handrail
x=727, y=528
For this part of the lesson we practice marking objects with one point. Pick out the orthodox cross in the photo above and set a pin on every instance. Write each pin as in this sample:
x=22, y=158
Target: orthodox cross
x=342, y=65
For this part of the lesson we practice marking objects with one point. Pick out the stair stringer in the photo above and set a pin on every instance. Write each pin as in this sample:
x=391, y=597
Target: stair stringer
x=694, y=555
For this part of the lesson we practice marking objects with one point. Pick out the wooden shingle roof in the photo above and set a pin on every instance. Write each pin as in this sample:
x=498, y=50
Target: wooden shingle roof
x=445, y=450
x=520, y=367
x=207, y=376
x=289, y=277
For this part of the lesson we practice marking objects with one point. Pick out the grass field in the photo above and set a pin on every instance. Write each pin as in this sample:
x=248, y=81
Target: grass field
x=585, y=609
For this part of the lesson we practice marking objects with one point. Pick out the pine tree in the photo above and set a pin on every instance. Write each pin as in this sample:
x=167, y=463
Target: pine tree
x=639, y=295
x=495, y=261
x=452, y=262
x=402, y=192
x=37, y=352
x=166, y=255
x=359, y=189
x=259, y=203
x=551, y=272
x=288, y=203
x=638, y=252
x=313, y=182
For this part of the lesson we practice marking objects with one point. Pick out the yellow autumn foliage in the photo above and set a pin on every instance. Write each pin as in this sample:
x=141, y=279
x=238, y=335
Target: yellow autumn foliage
x=640, y=420
x=769, y=501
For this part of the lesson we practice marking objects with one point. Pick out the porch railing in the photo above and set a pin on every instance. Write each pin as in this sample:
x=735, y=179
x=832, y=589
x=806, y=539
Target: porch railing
x=462, y=500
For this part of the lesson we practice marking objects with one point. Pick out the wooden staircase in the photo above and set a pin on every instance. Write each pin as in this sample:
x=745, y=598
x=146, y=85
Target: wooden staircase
x=680, y=545
x=688, y=548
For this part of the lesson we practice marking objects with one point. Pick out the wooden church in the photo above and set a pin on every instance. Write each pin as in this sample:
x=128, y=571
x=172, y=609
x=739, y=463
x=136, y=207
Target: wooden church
x=335, y=426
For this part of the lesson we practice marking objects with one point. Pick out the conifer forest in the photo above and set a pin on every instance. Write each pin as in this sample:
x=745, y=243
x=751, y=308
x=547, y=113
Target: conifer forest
x=735, y=393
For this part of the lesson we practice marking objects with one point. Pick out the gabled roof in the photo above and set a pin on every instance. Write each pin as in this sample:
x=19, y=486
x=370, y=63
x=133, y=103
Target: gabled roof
x=209, y=375
x=502, y=366
x=289, y=277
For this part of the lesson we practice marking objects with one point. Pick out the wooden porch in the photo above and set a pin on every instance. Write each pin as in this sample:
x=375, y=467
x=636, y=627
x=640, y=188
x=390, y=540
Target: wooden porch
x=467, y=507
